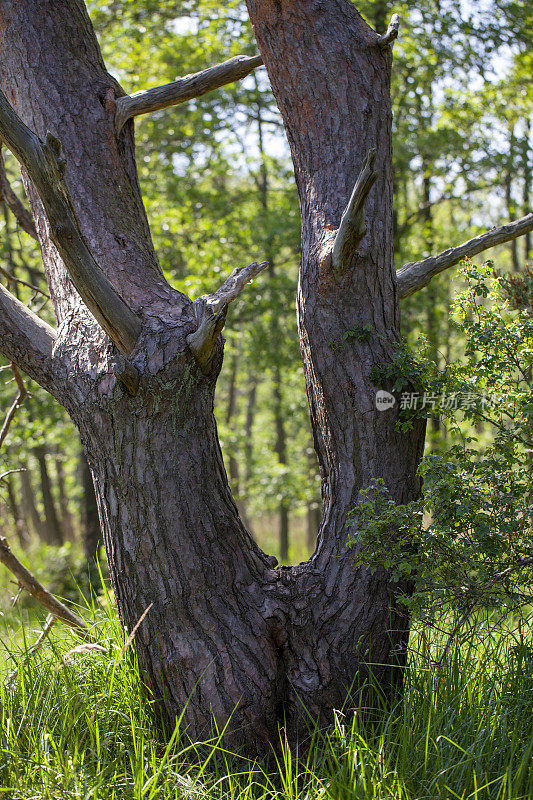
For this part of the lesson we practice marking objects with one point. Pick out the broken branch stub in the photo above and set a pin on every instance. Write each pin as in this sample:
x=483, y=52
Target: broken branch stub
x=211, y=309
x=352, y=226
x=391, y=33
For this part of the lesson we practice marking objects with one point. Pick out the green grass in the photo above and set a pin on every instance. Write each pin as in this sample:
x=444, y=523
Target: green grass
x=82, y=727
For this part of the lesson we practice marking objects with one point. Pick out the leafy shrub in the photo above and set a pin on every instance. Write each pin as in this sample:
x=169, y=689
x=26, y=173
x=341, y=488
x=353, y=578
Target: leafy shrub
x=468, y=542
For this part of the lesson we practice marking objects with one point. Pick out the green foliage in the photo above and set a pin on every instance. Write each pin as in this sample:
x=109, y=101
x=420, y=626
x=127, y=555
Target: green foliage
x=408, y=370
x=201, y=167
x=468, y=542
x=359, y=333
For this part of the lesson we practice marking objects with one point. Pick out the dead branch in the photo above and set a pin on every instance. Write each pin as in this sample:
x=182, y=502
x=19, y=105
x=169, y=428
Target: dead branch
x=30, y=583
x=183, y=89
x=417, y=274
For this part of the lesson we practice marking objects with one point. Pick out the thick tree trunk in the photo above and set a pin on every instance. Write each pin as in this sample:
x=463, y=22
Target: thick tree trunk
x=227, y=633
x=334, y=95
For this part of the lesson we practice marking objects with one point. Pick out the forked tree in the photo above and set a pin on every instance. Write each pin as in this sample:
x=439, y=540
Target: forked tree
x=135, y=363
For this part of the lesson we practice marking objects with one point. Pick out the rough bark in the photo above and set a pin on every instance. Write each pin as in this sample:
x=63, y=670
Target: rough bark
x=227, y=633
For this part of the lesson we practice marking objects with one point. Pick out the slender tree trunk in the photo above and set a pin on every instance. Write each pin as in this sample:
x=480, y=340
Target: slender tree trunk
x=54, y=530
x=511, y=206
x=18, y=517
x=280, y=448
x=313, y=522
x=248, y=429
x=379, y=15
x=230, y=413
x=228, y=635
x=233, y=464
x=67, y=521
x=280, y=445
x=249, y=446
x=526, y=169
x=313, y=505
x=29, y=504
x=90, y=522
x=432, y=298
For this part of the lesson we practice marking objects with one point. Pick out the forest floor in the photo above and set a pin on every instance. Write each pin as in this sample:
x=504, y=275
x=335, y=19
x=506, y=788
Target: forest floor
x=80, y=725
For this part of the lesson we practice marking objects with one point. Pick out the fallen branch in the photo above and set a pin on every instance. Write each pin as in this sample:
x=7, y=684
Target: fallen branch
x=417, y=274
x=352, y=227
x=30, y=583
x=210, y=311
x=183, y=89
x=48, y=625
